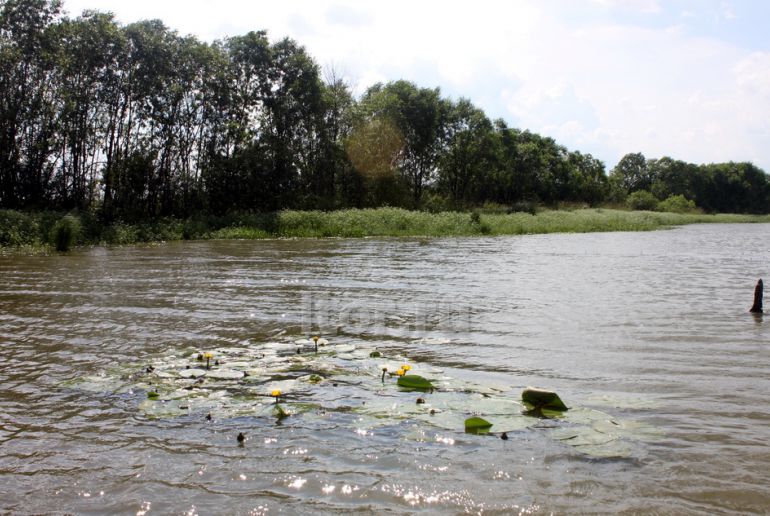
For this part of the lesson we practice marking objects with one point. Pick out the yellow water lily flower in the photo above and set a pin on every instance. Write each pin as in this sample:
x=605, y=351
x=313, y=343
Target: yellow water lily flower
x=208, y=356
x=316, y=338
x=406, y=367
x=400, y=372
x=276, y=393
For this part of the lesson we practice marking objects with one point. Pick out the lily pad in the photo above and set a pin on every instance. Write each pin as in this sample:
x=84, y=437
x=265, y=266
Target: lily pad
x=415, y=382
x=582, y=436
x=224, y=374
x=542, y=399
x=477, y=425
x=240, y=365
x=343, y=378
x=192, y=373
x=511, y=423
x=158, y=409
x=598, y=434
x=342, y=348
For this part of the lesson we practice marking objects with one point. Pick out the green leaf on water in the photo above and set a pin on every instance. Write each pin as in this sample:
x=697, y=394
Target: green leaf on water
x=280, y=413
x=535, y=399
x=477, y=425
x=152, y=395
x=375, y=354
x=415, y=382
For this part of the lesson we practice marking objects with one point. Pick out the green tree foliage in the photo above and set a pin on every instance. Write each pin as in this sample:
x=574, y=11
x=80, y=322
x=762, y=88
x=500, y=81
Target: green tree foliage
x=470, y=154
x=136, y=122
x=632, y=173
x=718, y=187
x=672, y=177
x=28, y=59
x=420, y=116
x=736, y=187
x=588, y=181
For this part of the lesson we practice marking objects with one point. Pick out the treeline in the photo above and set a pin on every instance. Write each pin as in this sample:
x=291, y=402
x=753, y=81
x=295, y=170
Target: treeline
x=135, y=122
x=722, y=187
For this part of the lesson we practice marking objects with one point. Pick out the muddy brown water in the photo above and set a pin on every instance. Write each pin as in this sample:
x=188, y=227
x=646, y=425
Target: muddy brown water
x=651, y=327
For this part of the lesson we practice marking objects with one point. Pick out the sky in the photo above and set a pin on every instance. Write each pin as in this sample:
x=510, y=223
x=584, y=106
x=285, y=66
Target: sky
x=689, y=79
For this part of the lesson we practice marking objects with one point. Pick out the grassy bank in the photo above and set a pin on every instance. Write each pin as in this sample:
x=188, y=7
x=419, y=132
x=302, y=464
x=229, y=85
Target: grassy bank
x=47, y=230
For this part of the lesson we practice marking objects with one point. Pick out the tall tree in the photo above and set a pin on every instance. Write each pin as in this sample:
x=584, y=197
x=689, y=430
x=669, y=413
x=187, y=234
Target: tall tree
x=27, y=61
x=421, y=115
x=89, y=55
x=588, y=181
x=470, y=154
x=632, y=173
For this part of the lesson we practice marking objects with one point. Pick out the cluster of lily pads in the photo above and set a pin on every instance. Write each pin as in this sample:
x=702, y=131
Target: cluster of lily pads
x=306, y=378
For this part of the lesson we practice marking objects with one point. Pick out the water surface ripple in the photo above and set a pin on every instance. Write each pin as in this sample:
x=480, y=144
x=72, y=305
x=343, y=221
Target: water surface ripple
x=647, y=326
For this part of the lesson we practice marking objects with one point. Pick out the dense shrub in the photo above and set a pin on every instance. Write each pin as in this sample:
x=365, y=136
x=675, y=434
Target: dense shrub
x=524, y=207
x=494, y=207
x=65, y=233
x=40, y=230
x=120, y=234
x=642, y=200
x=677, y=204
x=17, y=229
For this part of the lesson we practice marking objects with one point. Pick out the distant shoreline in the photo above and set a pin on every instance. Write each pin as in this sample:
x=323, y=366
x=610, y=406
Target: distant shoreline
x=35, y=232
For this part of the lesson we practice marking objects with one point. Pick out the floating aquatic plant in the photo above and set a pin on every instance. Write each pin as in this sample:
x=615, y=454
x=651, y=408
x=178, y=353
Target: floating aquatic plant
x=477, y=425
x=538, y=399
x=237, y=384
x=415, y=382
x=280, y=412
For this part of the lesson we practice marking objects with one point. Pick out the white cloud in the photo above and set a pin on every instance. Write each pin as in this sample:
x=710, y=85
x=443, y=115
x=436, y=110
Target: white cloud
x=727, y=11
x=596, y=84
x=642, y=6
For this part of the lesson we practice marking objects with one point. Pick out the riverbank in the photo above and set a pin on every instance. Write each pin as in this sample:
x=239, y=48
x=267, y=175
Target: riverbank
x=47, y=230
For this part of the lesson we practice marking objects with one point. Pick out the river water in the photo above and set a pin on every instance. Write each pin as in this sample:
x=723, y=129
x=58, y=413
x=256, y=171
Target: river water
x=645, y=327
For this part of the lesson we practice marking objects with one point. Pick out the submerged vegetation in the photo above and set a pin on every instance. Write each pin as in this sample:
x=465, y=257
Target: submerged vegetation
x=42, y=230
x=290, y=381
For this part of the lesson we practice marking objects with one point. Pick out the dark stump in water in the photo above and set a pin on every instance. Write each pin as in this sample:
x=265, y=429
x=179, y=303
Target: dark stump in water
x=758, y=292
